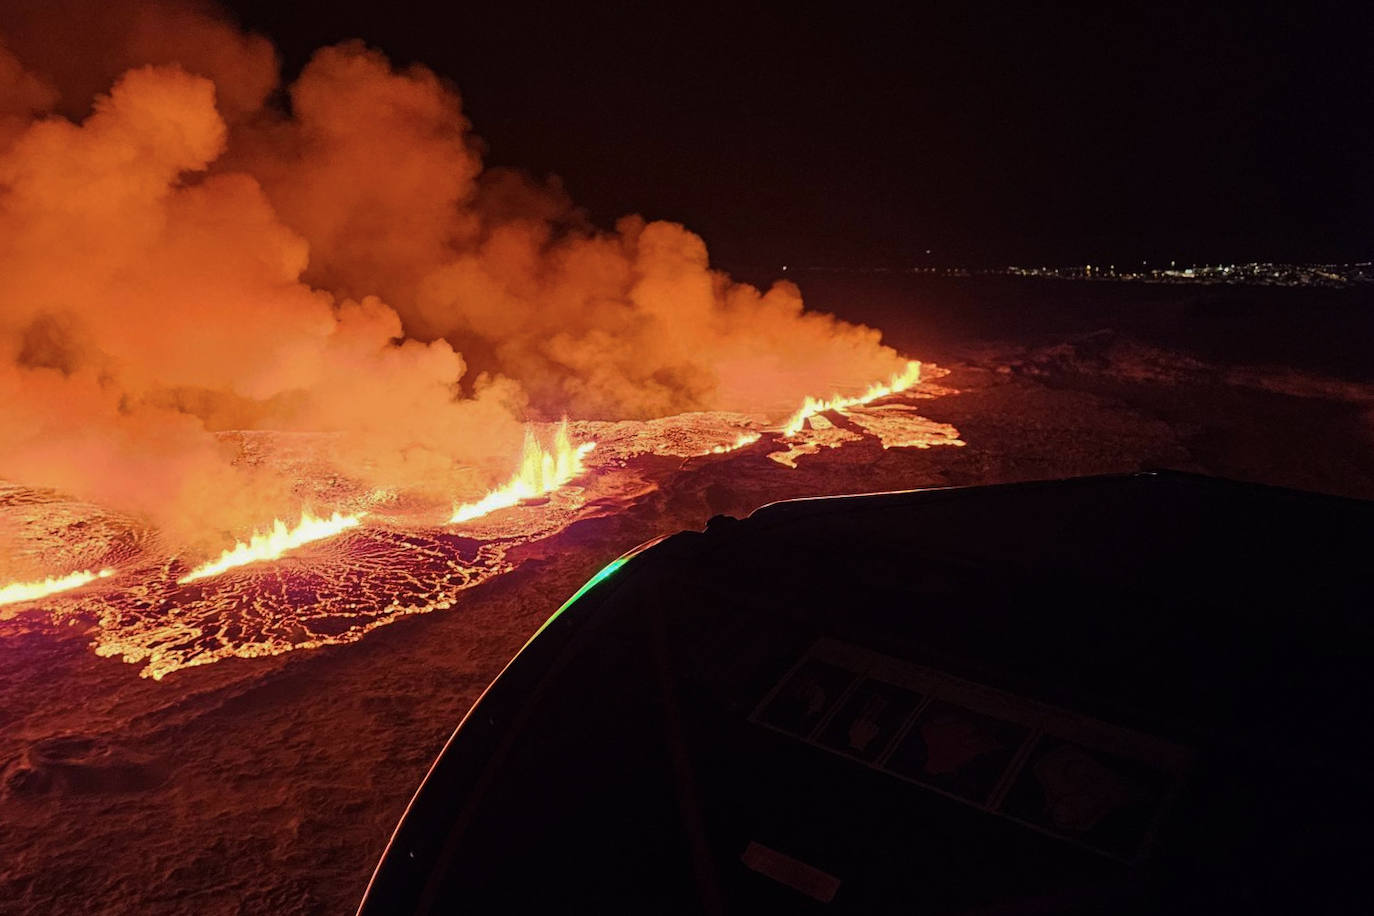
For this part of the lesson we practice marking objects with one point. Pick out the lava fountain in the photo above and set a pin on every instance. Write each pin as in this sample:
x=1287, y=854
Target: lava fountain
x=900, y=382
x=274, y=542
x=541, y=472
x=32, y=591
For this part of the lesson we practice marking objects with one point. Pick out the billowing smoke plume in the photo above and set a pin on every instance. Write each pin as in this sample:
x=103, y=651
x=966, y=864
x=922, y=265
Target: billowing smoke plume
x=180, y=257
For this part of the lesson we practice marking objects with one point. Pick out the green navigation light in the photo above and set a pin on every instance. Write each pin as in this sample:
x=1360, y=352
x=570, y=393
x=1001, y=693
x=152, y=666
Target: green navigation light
x=591, y=583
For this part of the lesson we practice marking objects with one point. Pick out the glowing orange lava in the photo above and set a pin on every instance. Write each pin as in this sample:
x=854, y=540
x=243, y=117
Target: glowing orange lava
x=812, y=406
x=541, y=472
x=271, y=544
x=31, y=591
x=741, y=442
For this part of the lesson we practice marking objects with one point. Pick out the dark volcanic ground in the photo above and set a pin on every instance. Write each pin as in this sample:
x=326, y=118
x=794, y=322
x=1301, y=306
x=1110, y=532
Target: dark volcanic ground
x=270, y=785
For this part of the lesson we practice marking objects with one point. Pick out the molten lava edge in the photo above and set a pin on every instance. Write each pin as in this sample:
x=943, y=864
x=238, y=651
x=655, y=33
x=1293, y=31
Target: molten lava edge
x=273, y=543
x=32, y=591
x=813, y=407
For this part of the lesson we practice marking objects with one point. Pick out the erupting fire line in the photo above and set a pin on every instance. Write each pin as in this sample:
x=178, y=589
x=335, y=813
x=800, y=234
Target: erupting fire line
x=899, y=382
x=540, y=473
x=271, y=544
x=31, y=591
x=741, y=442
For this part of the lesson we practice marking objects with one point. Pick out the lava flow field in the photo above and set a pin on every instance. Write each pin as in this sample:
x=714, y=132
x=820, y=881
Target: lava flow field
x=392, y=557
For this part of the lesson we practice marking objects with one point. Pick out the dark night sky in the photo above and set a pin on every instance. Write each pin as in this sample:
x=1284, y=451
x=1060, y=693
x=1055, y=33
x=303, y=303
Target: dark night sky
x=855, y=138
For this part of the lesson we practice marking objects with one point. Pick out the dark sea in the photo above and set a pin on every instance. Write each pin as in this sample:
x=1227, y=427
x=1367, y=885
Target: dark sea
x=1316, y=330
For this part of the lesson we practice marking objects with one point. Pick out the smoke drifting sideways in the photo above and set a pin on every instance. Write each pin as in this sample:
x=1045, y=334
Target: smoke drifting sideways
x=184, y=251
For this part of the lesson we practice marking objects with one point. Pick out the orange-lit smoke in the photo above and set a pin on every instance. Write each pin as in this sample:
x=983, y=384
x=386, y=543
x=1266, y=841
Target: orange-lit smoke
x=181, y=257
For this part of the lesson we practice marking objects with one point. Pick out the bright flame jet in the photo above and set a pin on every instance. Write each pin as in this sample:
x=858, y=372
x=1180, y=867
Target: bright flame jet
x=271, y=544
x=31, y=591
x=540, y=473
x=899, y=382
